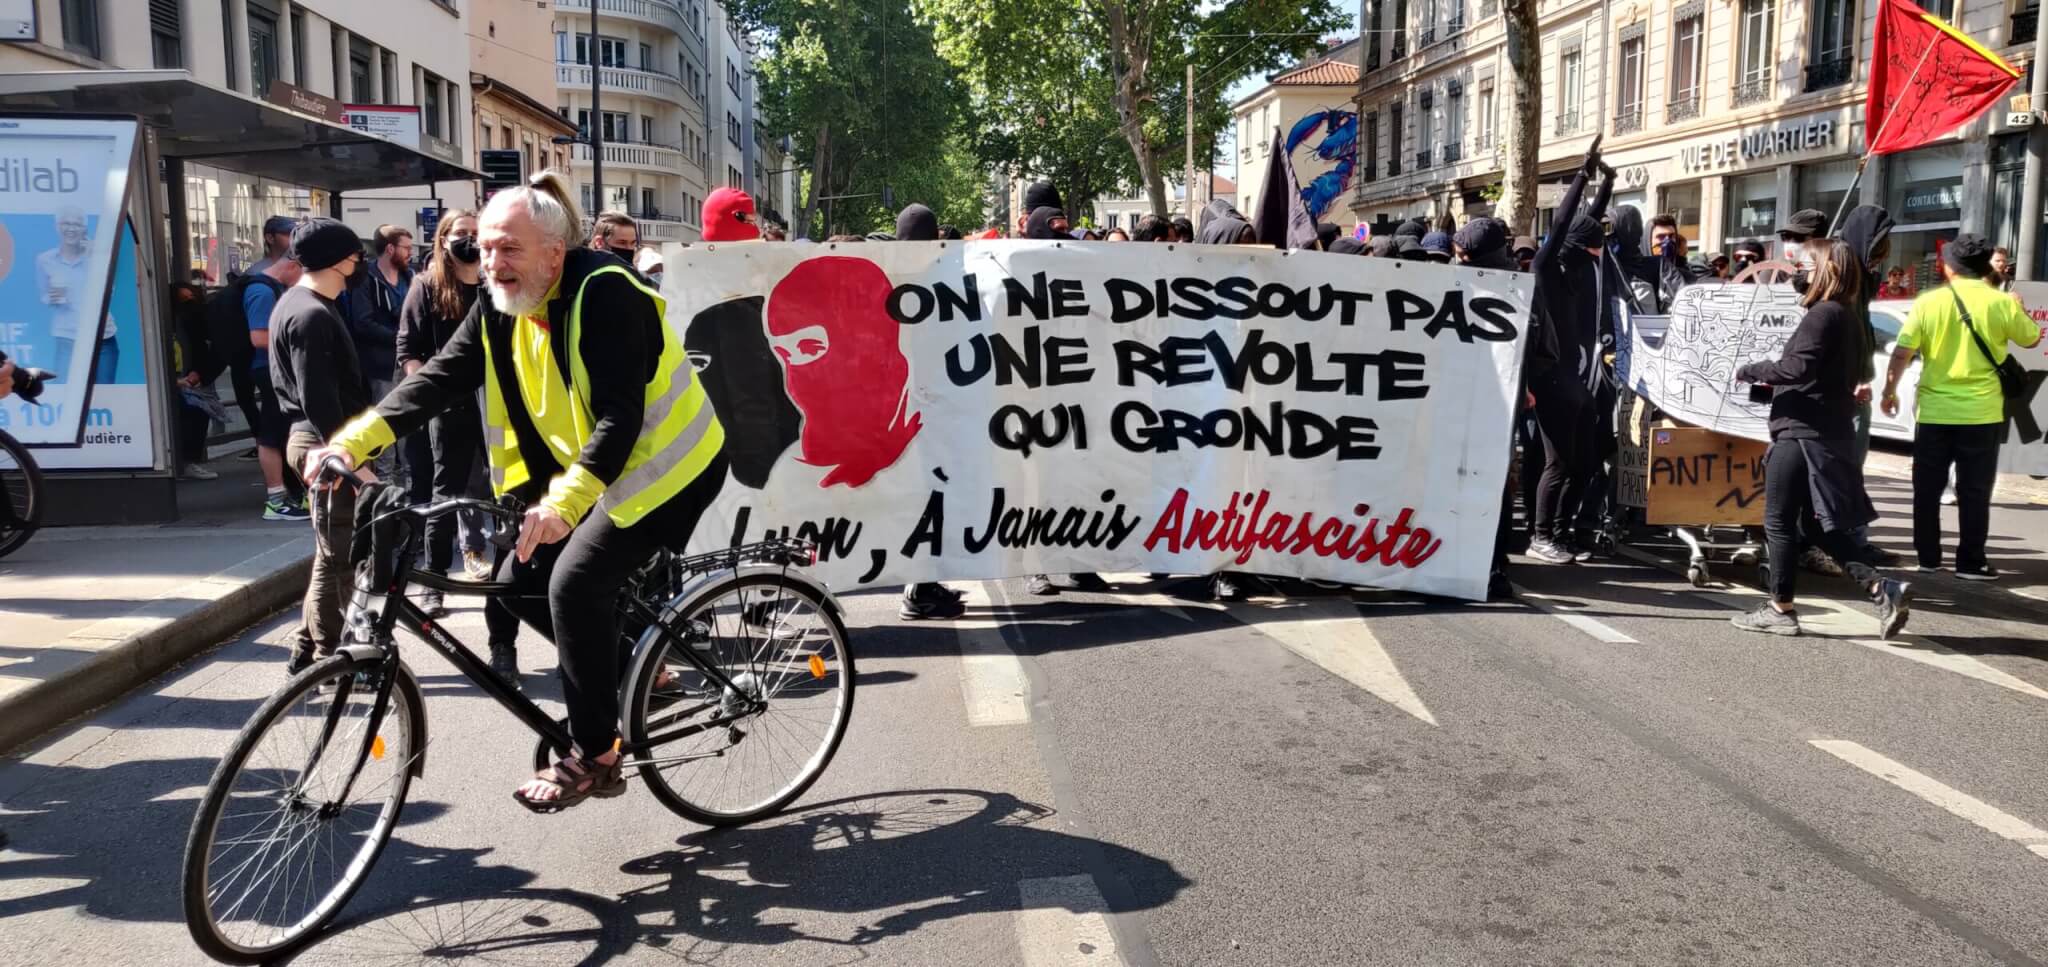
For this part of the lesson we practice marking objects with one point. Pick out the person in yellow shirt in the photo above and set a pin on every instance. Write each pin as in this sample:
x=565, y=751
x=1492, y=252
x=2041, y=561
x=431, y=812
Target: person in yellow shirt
x=1960, y=416
x=592, y=414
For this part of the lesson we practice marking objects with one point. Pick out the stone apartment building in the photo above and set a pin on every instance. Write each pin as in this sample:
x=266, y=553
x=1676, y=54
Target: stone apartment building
x=1730, y=114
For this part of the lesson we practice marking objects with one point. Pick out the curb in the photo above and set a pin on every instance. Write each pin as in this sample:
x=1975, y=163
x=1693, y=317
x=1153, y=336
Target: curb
x=134, y=648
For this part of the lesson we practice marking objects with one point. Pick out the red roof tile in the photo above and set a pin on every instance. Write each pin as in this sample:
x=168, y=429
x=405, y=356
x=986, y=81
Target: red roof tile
x=1330, y=72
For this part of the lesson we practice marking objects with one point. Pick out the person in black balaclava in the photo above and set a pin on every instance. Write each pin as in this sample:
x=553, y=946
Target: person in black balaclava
x=1568, y=295
x=1413, y=228
x=1042, y=194
x=1222, y=225
x=1325, y=234
x=1483, y=244
x=929, y=600
x=1633, y=267
x=1047, y=223
x=1346, y=245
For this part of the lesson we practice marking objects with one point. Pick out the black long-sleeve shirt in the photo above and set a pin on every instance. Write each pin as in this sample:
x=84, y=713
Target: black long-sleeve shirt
x=313, y=363
x=1568, y=289
x=620, y=361
x=1813, y=384
x=422, y=329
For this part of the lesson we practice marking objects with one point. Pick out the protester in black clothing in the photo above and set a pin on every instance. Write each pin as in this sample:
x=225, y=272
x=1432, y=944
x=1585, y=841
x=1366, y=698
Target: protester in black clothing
x=434, y=307
x=320, y=386
x=929, y=599
x=1414, y=228
x=1183, y=229
x=1153, y=228
x=1326, y=233
x=1747, y=253
x=1568, y=296
x=1811, y=465
x=1223, y=225
x=1483, y=244
x=1346, y=245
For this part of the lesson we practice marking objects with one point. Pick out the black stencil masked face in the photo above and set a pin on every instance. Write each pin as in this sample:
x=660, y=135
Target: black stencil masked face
x=729, y=349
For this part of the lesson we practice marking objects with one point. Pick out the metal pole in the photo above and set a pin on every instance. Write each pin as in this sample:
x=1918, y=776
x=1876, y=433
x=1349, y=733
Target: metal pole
x=1188, y=177
x=2029, y=255
x=596, y=119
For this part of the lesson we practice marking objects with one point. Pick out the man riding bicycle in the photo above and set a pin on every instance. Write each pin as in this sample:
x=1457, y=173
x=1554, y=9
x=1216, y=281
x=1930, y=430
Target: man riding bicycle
x=593, y=415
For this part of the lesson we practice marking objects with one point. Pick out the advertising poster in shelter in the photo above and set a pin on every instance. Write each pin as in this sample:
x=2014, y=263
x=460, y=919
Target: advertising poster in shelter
x=62, y=183
x=930, y=411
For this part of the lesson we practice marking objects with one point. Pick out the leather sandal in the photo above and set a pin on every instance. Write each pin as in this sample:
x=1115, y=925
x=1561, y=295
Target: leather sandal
x=578, y=779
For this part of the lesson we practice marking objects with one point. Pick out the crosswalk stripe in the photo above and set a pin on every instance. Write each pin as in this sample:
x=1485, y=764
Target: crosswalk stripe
x=1335, y=637
x=1599, y=630
x=1062, y=922
x=1172, y=606
x=992, y=680
x=1960, y=803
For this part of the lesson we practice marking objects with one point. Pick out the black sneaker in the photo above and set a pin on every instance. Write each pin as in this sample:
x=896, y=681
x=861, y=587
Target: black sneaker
x=1498, y=588
x=1879, y=557
x=1089, y=582
x=297, y=663
x=430, y=602
x=1894, y=606
x=1548, y=551
x=930, y=607
x=1224, y=588
x=1042, y=586
x=1816, y=561
x=1980, y=572
x=1769, y=621
x=505, y=664
x=954, y=593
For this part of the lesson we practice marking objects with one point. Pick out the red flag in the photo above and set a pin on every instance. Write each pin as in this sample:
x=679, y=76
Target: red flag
x=1926, y=79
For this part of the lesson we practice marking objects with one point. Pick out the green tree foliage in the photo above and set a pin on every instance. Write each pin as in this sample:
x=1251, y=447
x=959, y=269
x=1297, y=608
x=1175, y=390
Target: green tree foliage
x=865, y=99
x=1062, y=85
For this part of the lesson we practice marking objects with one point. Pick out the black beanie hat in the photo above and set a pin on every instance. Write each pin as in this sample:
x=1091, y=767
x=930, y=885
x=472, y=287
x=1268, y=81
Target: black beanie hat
x=1041, y=194
x=916, y=223
x=322, y=243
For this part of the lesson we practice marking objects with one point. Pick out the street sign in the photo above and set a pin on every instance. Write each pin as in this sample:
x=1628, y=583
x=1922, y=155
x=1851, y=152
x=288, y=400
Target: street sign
x=392, y=122
x=430, y=219
x=502, y=168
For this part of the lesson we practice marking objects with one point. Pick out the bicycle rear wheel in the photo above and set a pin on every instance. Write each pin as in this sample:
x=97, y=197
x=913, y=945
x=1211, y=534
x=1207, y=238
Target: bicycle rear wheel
x=283, y=838
x=784, y=648
x=21, y=495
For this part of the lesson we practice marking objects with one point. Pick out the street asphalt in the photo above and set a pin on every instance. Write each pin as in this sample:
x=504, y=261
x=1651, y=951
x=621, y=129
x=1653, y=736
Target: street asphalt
x=1605, y=772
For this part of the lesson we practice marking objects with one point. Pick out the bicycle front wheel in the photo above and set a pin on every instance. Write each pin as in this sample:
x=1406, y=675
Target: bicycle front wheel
x=737, y=754
x=290, y=824
x=21, y=495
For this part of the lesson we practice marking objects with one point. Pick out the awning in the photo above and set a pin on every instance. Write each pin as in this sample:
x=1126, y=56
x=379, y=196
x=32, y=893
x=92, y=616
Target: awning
x=202, y=123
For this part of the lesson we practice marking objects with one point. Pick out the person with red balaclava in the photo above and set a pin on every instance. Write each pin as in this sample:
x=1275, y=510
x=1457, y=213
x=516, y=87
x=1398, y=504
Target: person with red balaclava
x=729, y=217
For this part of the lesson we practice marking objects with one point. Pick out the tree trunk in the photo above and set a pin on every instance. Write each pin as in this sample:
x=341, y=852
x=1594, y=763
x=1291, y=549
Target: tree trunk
x=1525, y=116
x=1128, y=66
x=820, y=172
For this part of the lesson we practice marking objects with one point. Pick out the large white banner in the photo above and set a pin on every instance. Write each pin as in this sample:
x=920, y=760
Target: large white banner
x=930, y=411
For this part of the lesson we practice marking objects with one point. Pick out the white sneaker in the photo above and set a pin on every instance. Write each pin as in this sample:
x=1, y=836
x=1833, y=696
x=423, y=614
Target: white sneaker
x=197, y=471
x=1948, y=498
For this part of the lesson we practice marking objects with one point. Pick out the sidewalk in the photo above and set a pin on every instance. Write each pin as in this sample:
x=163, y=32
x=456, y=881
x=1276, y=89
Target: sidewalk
x=87, y=613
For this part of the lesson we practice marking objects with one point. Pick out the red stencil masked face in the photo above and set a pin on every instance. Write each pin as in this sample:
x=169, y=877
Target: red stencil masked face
x=829, y=323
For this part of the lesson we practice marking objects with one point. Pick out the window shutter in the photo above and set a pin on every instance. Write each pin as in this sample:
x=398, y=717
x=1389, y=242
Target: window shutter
x=163, y=16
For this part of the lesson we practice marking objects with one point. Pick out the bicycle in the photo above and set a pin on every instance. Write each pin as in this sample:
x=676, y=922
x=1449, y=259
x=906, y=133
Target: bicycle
x=21, y=494
x=776, y=693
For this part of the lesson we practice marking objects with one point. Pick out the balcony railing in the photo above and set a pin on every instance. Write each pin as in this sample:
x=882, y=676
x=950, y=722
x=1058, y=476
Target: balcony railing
x=1372, y=56
x=1568, y=123
x=1393, y=167
x=2024, y=23
x=1834, y=72
x=1453, y=153
x=659, y=12
x=1428, y=37
x=1683, y=109
x=624, y=80
x=657, y=157
x=1756, y=90
x=1422, y=160
x=1629, y=121
x=1456, y=25
x=1368, y=172
x=1400, y=45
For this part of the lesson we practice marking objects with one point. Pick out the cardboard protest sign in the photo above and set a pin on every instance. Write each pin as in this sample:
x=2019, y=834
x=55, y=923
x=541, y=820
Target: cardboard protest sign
x=930, y=411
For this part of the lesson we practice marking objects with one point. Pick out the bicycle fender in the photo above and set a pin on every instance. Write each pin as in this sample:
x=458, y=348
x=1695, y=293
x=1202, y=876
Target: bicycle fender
x=415, y=700
x=702, y=587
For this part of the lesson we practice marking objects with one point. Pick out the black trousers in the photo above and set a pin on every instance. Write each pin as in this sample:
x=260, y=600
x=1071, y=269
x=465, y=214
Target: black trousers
x=1565, y=423
x=455, y=441
x=191, y=433
x=1973, y=452
x=569, y=592
x=1788, y=500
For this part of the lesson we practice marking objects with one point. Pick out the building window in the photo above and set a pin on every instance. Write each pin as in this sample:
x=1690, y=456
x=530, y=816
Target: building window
x=1753, y=71
x=1454, y=17
x=647, y=208
x=1628, y=114
x=1373, y=34
x=1425, y=123
x=1486, y=115
x=299, y=58
x=1752, y=207
x=1454, y=123
x=1945, y=9
x=1400, y=36
x=647, y=58
x=732, y=77
x=262, y=49
x=1685, y=63
x=430, y=104
x=1683, y=204
x=1571, y=89
x=732, y=129
x=526, y=158
x=81, y=19
x=1830, y=62
x=1822, y=186
x=732, y=177
x=611, y=51
x=1394, y=121
x=1372, y=146
x=618, y=126
x=165, y=49
x=359, y=72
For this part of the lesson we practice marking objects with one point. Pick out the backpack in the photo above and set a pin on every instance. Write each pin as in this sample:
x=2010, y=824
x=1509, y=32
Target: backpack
x=227, y=323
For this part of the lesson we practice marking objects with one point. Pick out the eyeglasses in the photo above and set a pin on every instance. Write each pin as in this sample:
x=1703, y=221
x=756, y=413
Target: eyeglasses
x=742, y=217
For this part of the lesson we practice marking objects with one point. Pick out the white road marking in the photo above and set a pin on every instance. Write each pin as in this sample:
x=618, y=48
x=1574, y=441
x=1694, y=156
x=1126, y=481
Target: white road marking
x=1600, y=631
x=1164, y=602
x=1335, y=636
x=1827, y=618
x=1062, y=922
x=1962, y=804
x=992, y=679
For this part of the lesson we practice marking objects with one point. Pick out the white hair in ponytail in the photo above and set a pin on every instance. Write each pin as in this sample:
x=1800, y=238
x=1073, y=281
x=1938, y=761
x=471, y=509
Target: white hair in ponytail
x=546, y=197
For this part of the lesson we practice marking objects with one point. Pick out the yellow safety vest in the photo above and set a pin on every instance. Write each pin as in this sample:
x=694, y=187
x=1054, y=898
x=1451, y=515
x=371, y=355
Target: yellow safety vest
x=679, y=433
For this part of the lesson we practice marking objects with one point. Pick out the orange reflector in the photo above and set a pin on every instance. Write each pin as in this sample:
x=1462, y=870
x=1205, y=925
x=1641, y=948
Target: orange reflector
x=377, y=747
x=817, y=667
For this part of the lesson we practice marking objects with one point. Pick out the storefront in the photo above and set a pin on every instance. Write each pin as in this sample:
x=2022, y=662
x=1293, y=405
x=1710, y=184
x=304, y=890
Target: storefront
x=1924, y=193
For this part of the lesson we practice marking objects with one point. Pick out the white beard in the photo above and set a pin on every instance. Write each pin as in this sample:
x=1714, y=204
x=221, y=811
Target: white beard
x=508, y=304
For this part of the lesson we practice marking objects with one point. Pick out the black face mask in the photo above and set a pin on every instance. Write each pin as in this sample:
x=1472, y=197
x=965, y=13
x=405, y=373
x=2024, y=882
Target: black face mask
x=462, y=248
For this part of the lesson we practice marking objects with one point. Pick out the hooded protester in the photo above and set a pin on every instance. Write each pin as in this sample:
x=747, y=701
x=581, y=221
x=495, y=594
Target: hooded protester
x=1568, y=296
x=1326, y=233
x=1634, y=275
x=1346, y=245
x=1383, y=247
x=729, y=217
x=1867, y=230
x=1436, y=246
x=1222, y=225
x=1483, y=244
x=1046, y=222
x=917, y=223
x=1183, y=229
x=1042, y=194
x=1410, y=249
x=1413, y=228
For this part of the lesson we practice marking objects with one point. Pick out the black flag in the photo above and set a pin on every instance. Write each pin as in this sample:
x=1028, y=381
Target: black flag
x=1283, y=218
